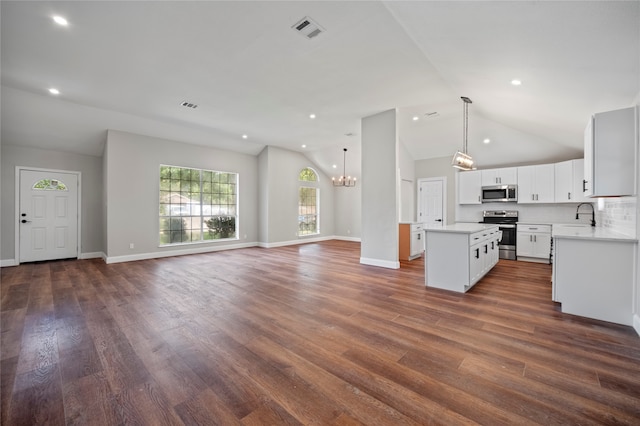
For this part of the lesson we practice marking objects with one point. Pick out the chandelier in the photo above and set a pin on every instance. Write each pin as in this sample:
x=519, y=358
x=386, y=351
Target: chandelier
x=461, y=159
x=344, y=180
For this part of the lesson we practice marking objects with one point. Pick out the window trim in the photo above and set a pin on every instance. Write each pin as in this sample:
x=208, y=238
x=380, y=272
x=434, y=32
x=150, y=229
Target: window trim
x=202, y=226
x=312, y=184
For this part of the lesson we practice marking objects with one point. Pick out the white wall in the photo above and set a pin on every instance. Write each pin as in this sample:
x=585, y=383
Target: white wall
x=407, y=185
x=280, y=168
x=348, y=212
x=380, y=198
x=438, y=167
x=132, y=191
x=91, y=193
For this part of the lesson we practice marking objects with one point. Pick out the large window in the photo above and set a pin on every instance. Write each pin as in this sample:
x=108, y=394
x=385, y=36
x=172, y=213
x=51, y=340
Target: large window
x=308, y=200
x=197, y=205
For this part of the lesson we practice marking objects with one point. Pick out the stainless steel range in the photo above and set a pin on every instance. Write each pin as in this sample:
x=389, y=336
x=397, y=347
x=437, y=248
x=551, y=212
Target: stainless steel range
x=506, y=221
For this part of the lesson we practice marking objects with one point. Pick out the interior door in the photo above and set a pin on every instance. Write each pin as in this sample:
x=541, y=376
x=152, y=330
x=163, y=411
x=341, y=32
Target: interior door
x=431, y=193
x=48, y=218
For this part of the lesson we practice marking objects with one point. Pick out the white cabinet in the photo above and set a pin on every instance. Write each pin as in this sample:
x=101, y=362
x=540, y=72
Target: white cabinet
x=533, y=243
x=595, y=278
x=411, y=241
x=536, y=184
x=569, y=177
x=457, y=259
x=610, y=153
x=504, y=176
x=469, y=185
x=417, y=240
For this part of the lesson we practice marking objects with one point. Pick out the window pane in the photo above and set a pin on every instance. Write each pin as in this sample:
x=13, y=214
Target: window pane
x=192, y=209
x=307, y=211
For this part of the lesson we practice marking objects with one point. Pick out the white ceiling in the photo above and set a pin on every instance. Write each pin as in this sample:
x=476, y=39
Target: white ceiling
x=129, y=65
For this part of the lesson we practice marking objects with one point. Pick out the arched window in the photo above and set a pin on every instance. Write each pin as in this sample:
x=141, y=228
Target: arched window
x=308, y=202
x=50, y=185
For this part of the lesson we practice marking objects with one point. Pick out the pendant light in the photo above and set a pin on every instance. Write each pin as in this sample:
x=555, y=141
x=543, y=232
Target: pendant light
x=461, y=159
x=344, y=180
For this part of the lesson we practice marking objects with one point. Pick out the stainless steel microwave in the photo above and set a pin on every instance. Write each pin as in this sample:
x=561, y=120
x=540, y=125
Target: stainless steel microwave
x=499, y=193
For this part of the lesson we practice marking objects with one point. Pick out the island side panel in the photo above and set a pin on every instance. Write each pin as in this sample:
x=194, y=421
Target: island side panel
x=595, y=279
x=447, y=260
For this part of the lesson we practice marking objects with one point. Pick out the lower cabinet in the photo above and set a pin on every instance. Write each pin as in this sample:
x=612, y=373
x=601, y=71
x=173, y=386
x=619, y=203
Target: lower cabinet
x=411, y=241
x=533, y=243
x=456, y=261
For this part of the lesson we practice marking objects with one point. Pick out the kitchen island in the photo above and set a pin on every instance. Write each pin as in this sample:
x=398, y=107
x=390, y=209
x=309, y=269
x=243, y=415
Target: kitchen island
x=594, y=273
x=459, y=255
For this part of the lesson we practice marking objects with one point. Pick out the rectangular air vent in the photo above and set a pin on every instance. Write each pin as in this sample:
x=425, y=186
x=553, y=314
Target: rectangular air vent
x=189, y=105
x=307, y=27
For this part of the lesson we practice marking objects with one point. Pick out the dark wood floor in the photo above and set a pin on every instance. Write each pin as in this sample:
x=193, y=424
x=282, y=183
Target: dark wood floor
x=302, y=335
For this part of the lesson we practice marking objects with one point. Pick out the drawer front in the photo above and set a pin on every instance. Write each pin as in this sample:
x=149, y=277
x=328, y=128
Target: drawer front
x=534, y=228
x=416, y=227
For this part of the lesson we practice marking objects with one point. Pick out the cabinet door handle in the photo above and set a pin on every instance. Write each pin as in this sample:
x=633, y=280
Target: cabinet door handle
x=492, y=245
x=530, y=238
x=477, y=253
x=419, y=236
x=568, y=195
x=584, y=185
x=535, y=238
x=486, y=248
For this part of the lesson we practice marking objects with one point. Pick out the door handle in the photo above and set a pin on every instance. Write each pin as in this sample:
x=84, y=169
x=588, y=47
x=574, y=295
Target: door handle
x=25, y=221
x=584, y=185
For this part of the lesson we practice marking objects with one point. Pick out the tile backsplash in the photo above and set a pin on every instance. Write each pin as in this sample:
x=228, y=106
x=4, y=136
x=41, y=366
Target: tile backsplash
x=617, y=214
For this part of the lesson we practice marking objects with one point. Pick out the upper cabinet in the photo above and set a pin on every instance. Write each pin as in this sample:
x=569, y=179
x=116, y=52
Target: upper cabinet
x=469, y=184
x=610, y=153
x=568, y=177
x=536, y=184
x=504, y=176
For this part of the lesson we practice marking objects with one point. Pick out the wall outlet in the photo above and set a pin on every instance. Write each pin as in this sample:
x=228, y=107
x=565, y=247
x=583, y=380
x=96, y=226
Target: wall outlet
x=131, y=246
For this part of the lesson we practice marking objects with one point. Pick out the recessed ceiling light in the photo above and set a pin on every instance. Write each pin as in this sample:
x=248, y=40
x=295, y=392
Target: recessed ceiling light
x=244, y=136
x=54, y=91
x=304, y=146
x=312, y=116
x=416, y=118
x=60, y=21
x=516, y=82
x=487, y=140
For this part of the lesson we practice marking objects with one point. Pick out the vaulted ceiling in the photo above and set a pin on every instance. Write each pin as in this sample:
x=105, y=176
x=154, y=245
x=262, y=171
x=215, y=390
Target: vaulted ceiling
x=129, y=66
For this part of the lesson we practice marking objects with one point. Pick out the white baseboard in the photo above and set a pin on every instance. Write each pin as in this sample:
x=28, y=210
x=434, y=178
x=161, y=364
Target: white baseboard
x=302, y=240
x=170, y=253
x=636, y=323
x=382, y=263
x=354, y=239
x=92, y=255
x=8, y=262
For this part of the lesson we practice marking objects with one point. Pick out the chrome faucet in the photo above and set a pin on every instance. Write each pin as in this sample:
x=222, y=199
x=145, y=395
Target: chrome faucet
x=593, y=213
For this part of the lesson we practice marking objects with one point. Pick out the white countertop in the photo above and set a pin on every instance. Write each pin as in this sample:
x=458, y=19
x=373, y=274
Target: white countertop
x=589, y=233
x=463, y=228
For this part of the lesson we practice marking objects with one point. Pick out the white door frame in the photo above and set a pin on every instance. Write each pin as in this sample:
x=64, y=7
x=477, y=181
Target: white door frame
x=443, y=179
x=16, y=222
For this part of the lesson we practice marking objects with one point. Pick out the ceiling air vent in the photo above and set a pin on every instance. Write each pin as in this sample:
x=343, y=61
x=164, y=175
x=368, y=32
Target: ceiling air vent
x=308, y=28
x=188, y=105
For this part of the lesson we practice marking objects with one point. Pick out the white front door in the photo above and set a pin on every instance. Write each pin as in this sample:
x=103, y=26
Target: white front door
x=48, y=217
x=431, y=206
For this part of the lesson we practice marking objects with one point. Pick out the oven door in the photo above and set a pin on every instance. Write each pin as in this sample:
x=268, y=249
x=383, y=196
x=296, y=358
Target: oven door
x=507, y=244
